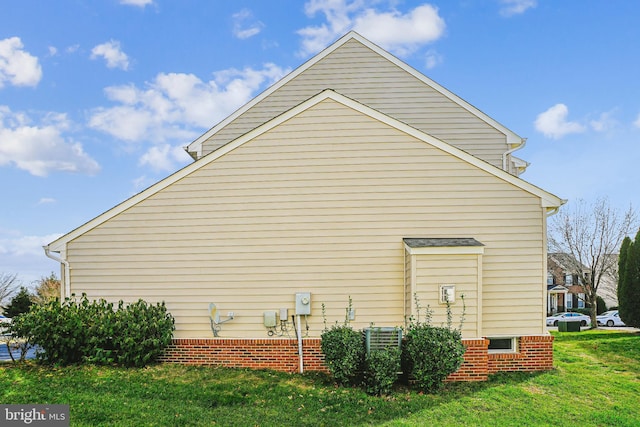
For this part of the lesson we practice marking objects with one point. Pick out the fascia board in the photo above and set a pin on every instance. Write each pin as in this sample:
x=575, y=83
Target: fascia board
x=547, y=198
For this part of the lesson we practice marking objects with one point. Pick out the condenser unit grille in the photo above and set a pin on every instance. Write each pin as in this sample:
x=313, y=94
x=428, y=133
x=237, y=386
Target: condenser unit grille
x=382, y=338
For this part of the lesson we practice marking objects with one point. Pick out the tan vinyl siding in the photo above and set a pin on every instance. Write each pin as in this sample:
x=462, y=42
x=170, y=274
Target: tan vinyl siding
x=359, y=73
x=318, y=204
x=458, y=270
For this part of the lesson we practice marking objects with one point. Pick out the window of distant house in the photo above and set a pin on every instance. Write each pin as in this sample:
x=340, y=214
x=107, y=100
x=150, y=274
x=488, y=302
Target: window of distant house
x=549, y=279
x=502, y=345
x=568, y=279
x=580, y=300
x=569, y=301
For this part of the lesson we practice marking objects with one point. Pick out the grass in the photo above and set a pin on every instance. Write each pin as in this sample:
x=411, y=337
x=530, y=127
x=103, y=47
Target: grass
x=596, y=382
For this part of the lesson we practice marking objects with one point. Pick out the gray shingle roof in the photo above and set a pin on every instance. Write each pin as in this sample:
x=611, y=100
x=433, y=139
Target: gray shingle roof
x=428, y=242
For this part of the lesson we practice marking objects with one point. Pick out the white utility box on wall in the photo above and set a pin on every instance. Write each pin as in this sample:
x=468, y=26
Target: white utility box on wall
x=303, y=303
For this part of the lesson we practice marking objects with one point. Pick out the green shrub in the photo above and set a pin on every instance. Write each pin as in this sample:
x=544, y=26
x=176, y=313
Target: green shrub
x=93, y=332
x=58, y=330
x=601, y=306
x=145, y=331
x=381, y=370
x=343, y=350
x=431, y=354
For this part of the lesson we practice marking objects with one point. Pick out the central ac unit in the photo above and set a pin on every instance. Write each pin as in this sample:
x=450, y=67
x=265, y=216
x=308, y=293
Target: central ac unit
x=381, y=338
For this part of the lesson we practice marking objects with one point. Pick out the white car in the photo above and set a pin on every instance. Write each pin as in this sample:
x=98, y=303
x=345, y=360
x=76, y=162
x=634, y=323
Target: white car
x=583, y=319
x=4, y=319
x=610, y=318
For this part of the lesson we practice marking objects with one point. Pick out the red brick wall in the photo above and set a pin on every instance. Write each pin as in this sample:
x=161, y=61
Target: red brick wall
x=276, y=354
x=474, y=367
x=535, y=353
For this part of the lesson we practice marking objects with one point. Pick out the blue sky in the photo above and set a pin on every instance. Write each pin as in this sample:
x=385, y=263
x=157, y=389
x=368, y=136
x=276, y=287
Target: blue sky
x=98, y=97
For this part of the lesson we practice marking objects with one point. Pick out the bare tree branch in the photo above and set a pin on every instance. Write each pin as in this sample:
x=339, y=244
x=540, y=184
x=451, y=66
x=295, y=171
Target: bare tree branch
x=591, y=235
x=9, y=284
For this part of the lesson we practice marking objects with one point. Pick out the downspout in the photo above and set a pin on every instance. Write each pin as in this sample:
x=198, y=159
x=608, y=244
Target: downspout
x=66, y=290
x=523, y=142
x=300, y=353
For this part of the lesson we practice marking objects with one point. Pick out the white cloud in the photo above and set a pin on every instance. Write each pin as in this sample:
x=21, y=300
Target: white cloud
x=400, y=33
x=14, y=243
x=112, y=53
x=244, y=24
x=18, y=67
x=23, y=255
x=176, y=107
x=41, y=149
x=163, y=158
x=139, y=3
x=553, y=122
x=516, y=7
x=604, y=122
x=433, y=59
x=46, y=201
x=173, y=104
x=637, y=122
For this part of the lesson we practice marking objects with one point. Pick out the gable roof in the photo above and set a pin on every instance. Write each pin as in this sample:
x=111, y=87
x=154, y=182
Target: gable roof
x=429, y=242
x=548, y=200
x=512, y=139
x=567, y=262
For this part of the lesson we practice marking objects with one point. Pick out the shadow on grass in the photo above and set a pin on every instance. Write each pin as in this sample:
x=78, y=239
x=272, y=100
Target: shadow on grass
x=187, y=395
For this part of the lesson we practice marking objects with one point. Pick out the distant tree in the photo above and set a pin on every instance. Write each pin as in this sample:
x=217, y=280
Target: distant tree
x=622, y=275
x=629, y=281
x=602, y=305
x=47, y=289
x=8, y=285
x=21, y=303
x=591, y=234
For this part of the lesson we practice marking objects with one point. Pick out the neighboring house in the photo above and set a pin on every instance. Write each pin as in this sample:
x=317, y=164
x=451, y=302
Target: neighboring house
x=564, y=292
x=357, y=177
x=564, y=289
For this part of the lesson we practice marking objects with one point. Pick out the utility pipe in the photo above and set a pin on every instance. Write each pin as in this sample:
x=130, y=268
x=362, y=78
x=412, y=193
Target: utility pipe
x=300, y=354
x=65, y=290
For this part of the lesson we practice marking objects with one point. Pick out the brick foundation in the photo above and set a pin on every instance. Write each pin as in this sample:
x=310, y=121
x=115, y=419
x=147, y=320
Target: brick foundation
x=535, y=353
x=474, y=367
x=273, y=353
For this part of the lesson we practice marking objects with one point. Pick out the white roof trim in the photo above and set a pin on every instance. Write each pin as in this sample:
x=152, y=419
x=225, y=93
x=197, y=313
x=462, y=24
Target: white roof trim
x=512, y=138
x=547, y=199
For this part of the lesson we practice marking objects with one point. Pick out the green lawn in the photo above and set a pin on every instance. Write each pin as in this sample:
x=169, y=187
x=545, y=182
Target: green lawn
x=596, y=383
